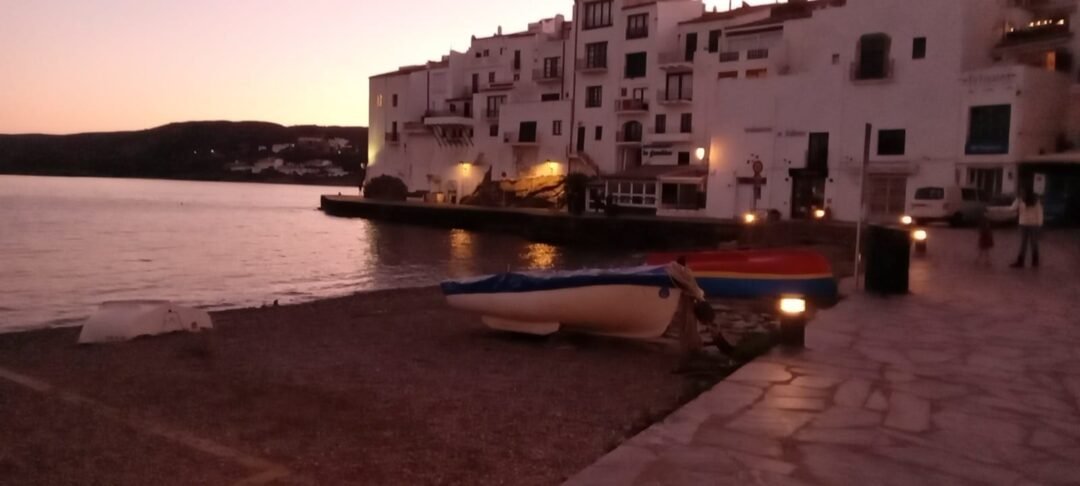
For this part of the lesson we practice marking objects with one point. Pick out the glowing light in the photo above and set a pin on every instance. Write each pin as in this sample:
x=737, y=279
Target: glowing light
x=920, y=235
x=700, y=153
x=749, y=218
x=465, y=166
x=819, y=214
x=906, y=220
x=792, y=306
x=553, y=167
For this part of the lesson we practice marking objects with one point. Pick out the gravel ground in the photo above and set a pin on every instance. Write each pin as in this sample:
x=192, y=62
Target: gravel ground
x=381, y=388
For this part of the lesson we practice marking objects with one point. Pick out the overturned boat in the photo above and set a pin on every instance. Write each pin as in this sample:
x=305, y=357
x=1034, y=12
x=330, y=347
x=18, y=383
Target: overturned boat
x=631, y=302
x=125, y=320
x=755, y=274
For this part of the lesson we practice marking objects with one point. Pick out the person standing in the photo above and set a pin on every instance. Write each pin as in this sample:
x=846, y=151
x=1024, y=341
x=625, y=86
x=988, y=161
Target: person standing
x=1030, y=217
x=986, y=241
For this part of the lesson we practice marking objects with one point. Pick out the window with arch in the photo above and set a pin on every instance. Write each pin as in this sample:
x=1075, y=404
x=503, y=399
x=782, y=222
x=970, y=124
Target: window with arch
x=632, y=131
x=873, y=57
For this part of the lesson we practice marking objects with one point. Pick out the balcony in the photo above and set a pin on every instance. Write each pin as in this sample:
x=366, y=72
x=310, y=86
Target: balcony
x=669, y=136
x=631, y=106
x=1041, y=35
x=676, y=61
x=520, y=139
x=491, y=114
x=548, y=75
x=675, y=96
x=415, y=127
x=628, y=137
x=637, y=32
x=753, y=54
x=447, y=117
x=393, y=138
x=730, y=56
x=873, y=72
x=592, y=65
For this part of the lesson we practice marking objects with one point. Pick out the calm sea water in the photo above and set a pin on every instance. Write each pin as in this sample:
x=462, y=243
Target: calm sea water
x=68, y=244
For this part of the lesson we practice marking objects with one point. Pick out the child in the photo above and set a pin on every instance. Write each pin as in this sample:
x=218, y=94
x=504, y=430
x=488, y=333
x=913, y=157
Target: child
x=986, y=242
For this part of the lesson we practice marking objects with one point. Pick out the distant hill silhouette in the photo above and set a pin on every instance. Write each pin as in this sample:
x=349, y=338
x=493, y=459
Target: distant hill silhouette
x=190, y=150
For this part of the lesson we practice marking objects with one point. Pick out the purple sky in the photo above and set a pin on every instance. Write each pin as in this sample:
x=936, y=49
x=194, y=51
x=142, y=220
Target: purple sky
x=98, y=65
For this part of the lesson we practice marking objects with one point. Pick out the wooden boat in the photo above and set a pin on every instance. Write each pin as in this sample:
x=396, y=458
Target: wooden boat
x=632, y=302
x=753, y=274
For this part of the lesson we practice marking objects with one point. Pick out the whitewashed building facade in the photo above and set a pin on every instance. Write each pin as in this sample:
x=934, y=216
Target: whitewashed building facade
x=675, y=107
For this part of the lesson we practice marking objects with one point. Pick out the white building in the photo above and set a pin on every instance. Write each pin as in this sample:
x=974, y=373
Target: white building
x=675, y=107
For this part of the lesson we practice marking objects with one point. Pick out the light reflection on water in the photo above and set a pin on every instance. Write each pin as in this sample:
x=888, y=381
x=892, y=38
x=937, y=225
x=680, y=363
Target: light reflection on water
x=67, y=244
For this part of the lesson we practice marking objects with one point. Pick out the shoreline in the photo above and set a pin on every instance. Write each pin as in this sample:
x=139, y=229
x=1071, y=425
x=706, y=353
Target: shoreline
x=180, y=179
x=389, y=385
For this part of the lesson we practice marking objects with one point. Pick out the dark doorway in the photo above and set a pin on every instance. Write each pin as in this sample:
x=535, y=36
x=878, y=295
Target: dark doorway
x=580, y=139
x=807, y=193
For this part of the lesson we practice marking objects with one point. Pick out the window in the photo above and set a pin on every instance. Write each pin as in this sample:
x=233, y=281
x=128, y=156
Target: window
x=873, y=56
x=393, y=127
x=637, y=26
x=642, y=194
x=680, y=196
x=599, y=132
x=988, y=130
x=930, y=194
x=678, y=87
x=493, y=130
x=378, y=101
x=393, y=101
x=517, y=77
x=686, y=123
x=727, y=75
x=632, y=131
x=596, y=55
x=517, y=60
x=491, y=77
x=493, y=104
x=714, y=40
x=684, y=158
x=756, y=73
x=661, y=123
x=635, y=65
x=691, y=46
x=597, y=14
x=987, y=180
x=487, y=53
x=918, y=48
x=556, y=127
x=527, y=131
x=594, y=96
x=550, y=97
x=638, y=94
x=891, y=142
x=551, y=68
x=817, y=154
x=729, y=56
x=476, y=83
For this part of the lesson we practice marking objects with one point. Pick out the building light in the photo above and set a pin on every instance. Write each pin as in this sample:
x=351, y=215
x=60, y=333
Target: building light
x=920, y=235
x=700, y=153
x=749, y=218
x=819, y=214
x=906, y=220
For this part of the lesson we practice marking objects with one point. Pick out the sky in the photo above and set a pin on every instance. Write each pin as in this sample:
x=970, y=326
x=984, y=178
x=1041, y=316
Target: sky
x=69, y=66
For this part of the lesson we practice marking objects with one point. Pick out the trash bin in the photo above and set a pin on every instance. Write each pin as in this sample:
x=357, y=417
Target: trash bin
x=888, y=260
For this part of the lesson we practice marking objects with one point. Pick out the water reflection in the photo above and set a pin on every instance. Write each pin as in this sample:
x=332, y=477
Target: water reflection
x=540, y=256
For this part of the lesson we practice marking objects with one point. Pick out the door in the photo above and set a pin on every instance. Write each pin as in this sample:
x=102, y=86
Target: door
x=744, y=199
x=807, y=194
x=691, y=45
x=631, y=157
x=581, y=139
x=887, y=196
x=527, y=131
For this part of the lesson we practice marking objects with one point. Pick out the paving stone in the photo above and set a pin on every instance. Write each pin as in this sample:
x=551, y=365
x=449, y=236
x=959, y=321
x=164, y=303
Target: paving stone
x=951, y=464
x=698, y=458
x=842, y=466
x=878, y=402
x=930, y=357
x=862, y=437
x=761, y=372
x=976, y=426
x=759, y=463
x=908, y=412
x=796, y=391
x=852, y=393
x=843, y=417
x=932, y=390
x=794, y=403
x=819, y=382
x=770, y=422
x=714, y=433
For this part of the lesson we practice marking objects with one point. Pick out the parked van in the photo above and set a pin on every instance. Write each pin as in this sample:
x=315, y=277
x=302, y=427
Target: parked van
x=953, y=204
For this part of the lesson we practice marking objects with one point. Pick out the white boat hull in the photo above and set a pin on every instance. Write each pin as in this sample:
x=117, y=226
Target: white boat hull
x=126, y=320
x=629, y=311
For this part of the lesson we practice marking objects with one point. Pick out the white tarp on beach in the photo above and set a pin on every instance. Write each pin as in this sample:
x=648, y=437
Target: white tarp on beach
x=126, y=320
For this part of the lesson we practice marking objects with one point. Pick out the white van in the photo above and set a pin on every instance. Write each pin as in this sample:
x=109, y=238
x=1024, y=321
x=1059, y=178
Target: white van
x=953, y=204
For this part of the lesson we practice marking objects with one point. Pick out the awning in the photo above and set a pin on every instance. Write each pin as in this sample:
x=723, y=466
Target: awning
x=665, y=173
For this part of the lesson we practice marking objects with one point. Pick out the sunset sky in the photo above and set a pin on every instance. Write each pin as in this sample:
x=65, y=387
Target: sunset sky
x=71, y=66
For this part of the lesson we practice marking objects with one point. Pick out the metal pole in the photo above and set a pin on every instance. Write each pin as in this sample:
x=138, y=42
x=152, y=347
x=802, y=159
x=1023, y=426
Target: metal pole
x=862, y=205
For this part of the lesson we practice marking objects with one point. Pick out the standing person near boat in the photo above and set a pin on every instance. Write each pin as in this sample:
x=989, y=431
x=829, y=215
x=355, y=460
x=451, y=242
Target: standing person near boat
x=685, y=317
x=1030, y=216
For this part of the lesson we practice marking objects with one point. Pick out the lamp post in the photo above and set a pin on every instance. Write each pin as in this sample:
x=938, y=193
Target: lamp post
x=793, y=322
x=920, y=237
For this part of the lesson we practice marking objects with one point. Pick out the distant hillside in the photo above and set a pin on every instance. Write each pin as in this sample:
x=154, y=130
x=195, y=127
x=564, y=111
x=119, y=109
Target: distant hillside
x=191, y=150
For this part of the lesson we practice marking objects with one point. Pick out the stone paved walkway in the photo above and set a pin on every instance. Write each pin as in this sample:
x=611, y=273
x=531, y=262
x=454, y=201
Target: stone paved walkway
x=973, y=379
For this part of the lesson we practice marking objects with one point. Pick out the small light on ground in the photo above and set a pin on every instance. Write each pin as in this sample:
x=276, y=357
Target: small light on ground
x=749, y=218
x=906, y=220
x=792, y=306
x=920, y=235
x=819, y=214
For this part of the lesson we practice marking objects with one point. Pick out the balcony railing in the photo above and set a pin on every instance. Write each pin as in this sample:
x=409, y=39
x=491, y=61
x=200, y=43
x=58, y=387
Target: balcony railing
x=1040, y=33
x=729, y=56
x=684, y=95
x=883, y=71
x=757, y=54
x=393, y=137
x=595, y=64
x=491, y=113
x=548, y=74
x=516, y=138
x=624, y=105
x=637, y=32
